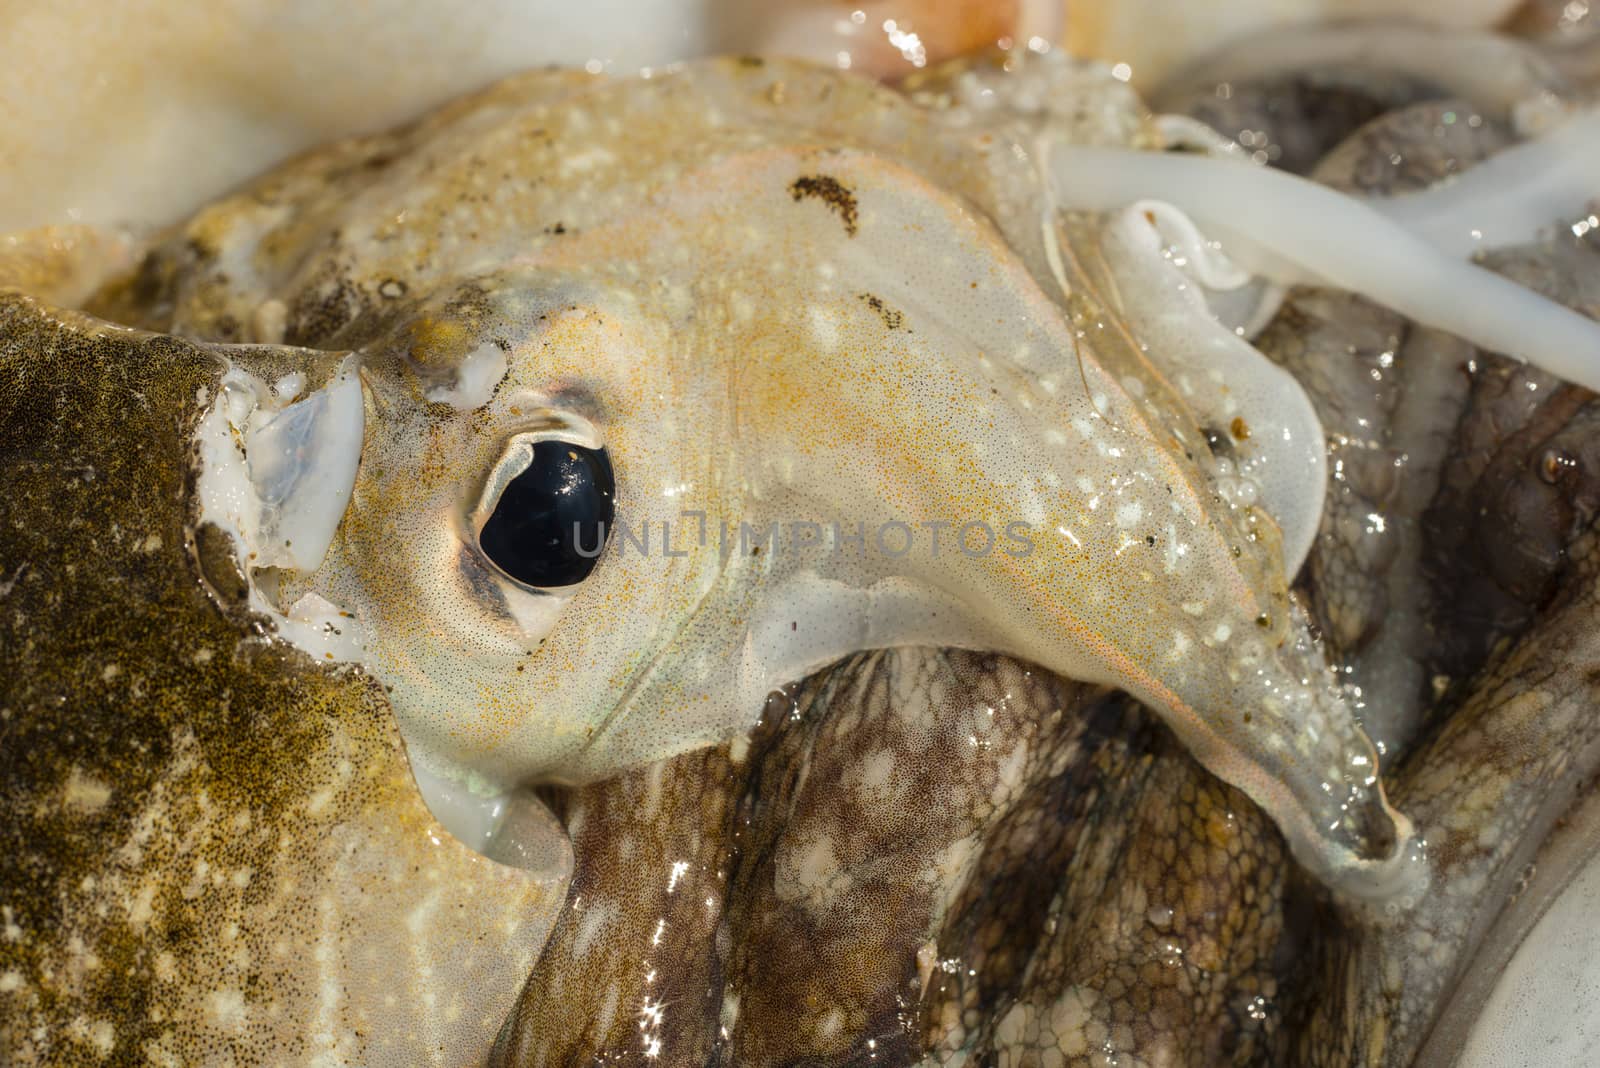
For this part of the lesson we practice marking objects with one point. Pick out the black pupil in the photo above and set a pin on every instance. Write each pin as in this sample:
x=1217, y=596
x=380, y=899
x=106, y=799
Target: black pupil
x=551, y=520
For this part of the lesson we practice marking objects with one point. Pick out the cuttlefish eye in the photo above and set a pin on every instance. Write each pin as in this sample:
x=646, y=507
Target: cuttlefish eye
x=550, y=505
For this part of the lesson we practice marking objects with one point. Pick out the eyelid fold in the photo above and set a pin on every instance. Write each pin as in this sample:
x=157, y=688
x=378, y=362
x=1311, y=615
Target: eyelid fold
x=543, y=424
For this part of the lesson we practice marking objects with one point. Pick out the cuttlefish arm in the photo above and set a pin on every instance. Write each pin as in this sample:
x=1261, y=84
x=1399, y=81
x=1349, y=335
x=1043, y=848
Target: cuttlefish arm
x=1295, y=230
x=915, y=377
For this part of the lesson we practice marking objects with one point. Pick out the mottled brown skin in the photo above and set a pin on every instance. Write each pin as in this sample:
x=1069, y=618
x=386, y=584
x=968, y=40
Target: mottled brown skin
x=1163, y=934
x=1511, y=567
x=634, y=935
x=1488, y=789
x=1524, y=481
x=916, y=854
x=1490, y=520
x=189, y=812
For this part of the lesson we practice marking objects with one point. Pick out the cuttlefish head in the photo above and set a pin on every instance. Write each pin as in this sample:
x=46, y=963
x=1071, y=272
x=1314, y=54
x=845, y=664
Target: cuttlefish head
x=802, y=403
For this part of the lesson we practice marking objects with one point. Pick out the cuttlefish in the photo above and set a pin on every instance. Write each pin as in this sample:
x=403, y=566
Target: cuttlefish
x=583, y=413
x=644, y=397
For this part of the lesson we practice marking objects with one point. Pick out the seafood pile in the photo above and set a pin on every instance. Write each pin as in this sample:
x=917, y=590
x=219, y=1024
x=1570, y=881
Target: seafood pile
x=750, y=564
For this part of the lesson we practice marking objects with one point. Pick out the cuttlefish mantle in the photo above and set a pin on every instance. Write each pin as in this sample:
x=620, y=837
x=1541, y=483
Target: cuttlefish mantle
x=674, y=390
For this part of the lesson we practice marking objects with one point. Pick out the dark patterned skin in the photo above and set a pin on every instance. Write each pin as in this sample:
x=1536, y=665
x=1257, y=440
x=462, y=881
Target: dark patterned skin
x=918, y=854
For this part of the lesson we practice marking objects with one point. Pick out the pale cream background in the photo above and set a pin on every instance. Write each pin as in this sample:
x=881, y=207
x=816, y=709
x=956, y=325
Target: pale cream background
x=133, y=112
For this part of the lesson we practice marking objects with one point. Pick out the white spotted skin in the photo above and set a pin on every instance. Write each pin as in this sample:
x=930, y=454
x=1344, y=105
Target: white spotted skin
x=779, y=294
